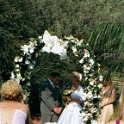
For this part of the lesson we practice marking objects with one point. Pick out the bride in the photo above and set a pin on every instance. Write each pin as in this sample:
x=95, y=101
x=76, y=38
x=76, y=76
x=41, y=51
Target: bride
x=71, y=113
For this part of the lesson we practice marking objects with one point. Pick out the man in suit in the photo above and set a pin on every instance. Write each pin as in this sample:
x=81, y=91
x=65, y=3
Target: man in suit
x=51, y=99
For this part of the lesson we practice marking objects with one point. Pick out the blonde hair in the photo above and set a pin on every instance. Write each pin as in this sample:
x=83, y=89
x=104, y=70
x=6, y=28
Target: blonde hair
x=11, y=90
x=120, y=115
x=78, y=75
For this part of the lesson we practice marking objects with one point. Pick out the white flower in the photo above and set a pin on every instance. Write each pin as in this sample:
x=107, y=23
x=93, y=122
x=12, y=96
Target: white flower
x=63, y=55
x=86, y=67
x=101, y=78
x=91, y=61
x=85, y=118
x=92, y=82
x=80, y=77
x=39, y=37
x=25, y=49
x=86, y=103
x=74, y=49
x=19, y=76
x=35, y=43
x=30, y=66
x=82, y=114
x=89, y=95
x=31, y=50
x=23, y=79
x=17, y=80
x=31, y=47
x=95, y=95
x=100, y=86
x=81, y=61
x=99, y=96
x=18, y=59
x=17, y=70
x=79, y=42
x=27, y=62
x=93, y=110
x=17, y=65
x=86, y=53
x=86, y=78
x=12, y=75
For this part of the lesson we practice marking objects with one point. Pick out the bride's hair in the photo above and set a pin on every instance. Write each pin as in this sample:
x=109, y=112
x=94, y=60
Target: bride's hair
x=121, y=106
x=78, y=75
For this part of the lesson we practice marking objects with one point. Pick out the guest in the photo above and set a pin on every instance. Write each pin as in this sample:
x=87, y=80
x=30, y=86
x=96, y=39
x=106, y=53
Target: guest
x=120, y=115
x=71, y=113
x=108, y=98
x=12, y=110
x=51, y=99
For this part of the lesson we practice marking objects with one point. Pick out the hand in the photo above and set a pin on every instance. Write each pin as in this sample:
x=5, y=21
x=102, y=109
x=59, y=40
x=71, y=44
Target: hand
x=73, y=88
x=68, y=99
x=57, y=110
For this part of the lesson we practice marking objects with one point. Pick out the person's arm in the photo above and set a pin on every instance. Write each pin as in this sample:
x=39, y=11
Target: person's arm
x=80, y=99
x=70, y=99
x=29, y=120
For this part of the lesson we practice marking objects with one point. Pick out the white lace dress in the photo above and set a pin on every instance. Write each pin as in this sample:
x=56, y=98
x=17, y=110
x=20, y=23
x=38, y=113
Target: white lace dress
x=71, y=113
x=12, y=116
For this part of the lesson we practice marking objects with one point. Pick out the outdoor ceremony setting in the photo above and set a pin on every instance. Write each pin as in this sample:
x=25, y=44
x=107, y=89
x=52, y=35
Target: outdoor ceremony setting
x=61, y=62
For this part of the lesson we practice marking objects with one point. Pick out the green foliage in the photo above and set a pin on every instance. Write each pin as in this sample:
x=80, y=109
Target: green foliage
x=19, y=20
x=79, y=18
x=107, y=41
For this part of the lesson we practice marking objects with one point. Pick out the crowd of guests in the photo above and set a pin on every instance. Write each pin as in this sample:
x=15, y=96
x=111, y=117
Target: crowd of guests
x=13, y=110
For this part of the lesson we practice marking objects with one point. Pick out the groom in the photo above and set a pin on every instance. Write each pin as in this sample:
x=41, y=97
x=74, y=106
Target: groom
x=51, y=99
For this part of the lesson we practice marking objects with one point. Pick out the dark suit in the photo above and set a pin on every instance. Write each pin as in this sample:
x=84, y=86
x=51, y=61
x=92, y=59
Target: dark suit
x=50, y=98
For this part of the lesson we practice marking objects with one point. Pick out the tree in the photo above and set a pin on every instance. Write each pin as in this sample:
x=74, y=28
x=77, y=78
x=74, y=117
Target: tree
x=107, y=41
x=79, y=18
x=19, y=21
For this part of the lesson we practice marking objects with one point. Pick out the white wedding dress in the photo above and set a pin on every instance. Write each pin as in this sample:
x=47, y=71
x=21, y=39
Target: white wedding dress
x=71, y=113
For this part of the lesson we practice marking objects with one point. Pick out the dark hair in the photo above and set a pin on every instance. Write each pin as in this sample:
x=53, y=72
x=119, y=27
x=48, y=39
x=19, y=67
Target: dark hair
x=54, y=74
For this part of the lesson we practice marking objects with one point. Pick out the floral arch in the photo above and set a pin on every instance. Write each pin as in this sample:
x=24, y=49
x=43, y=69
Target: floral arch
x=26, y=60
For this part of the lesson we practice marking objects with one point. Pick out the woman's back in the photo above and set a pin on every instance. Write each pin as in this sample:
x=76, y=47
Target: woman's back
x=12, y=113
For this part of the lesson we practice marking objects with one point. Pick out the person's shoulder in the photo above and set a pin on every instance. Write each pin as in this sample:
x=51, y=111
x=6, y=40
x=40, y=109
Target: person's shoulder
x=24, y=108
x=1, y=104
x=80, y=89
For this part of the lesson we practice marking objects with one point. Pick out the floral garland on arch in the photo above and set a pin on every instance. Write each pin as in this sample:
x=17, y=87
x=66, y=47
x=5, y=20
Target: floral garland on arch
x=70, y=45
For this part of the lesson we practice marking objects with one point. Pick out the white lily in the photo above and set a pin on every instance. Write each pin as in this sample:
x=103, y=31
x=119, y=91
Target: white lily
x=81, y=61
x=17, y=65
x=89, y=95
x=18, y=59
x=25, y=49
x=12, y=75
x=91, y=61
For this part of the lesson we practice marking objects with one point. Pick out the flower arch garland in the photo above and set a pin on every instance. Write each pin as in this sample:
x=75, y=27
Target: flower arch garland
x=82, y=52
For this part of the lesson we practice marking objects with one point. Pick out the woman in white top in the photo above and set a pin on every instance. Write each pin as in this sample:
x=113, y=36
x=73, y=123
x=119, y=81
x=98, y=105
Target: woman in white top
x=12, y=109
